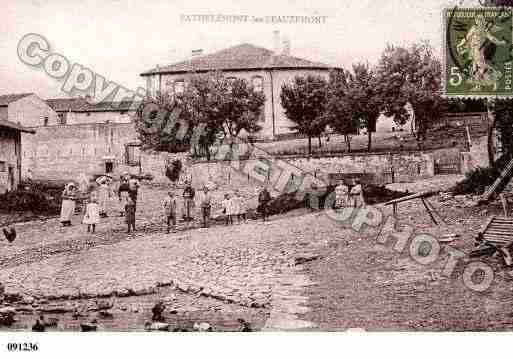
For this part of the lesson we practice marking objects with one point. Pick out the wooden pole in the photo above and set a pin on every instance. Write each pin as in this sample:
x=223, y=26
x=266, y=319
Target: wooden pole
x=428, y=210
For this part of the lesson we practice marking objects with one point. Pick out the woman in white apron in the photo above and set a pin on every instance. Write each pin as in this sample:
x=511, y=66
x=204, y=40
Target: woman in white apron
x=68, y=204
x=341, y=195
x=103, y=195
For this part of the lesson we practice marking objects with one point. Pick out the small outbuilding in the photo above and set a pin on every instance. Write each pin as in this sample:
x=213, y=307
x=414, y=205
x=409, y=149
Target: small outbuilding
x=10, y=154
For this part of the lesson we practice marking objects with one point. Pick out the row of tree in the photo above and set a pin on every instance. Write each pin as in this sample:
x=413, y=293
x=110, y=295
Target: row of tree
x=351, y=100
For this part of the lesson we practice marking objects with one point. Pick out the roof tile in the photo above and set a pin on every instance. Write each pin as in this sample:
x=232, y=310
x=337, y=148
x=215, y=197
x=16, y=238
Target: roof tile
x=240, y=57
x=7, y=99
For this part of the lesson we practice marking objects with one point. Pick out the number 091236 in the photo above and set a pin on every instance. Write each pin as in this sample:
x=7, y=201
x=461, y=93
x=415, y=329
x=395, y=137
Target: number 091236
x=22, y=347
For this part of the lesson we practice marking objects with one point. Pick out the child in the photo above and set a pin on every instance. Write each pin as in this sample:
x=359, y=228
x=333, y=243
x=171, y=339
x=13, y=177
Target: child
x=92, y=213
x=130, y=214
x=240, y=207
x=227, y=208
x=123, y=193
x=169, y=205
x=243, y=207
x=264, y=197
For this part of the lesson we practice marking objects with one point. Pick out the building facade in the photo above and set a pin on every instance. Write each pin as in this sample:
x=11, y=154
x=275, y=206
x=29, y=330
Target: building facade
x=63, y=138
x=266, y=70
x=10, y=154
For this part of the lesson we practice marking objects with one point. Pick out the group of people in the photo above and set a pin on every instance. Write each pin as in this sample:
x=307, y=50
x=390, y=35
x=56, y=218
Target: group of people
x=345, y=197
x=234, y=206
x=98, y=195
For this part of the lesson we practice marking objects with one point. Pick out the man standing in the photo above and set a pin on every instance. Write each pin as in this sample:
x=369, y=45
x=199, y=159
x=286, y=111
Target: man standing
x=205, y=205
x=188, y=198
x=264, y=198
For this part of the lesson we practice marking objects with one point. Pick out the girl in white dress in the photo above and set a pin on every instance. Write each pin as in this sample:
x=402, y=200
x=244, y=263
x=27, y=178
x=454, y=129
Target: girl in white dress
x=227, y=205
x=92, y=213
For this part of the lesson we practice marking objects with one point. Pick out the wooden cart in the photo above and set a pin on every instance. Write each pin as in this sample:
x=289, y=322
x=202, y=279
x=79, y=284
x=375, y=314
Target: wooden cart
x=496, y=236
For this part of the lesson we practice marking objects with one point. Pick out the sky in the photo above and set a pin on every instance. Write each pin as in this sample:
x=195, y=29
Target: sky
x=119, y=39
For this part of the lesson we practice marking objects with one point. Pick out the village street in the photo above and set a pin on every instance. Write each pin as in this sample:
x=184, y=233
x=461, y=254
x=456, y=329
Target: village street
x=302, y=270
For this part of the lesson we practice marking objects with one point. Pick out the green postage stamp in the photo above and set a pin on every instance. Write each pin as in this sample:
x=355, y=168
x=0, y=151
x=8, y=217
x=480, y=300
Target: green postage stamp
x=478, y=52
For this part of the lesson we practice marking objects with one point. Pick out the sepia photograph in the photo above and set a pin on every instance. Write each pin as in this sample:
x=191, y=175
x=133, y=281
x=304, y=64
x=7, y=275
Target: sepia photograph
x=266, y=167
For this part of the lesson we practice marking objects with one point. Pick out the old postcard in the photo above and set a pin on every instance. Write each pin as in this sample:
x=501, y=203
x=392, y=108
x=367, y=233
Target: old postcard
x=242, y=166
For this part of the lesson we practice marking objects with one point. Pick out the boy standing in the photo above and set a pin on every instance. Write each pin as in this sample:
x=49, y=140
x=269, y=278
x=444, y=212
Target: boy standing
x=169, y=205
x=130, y=214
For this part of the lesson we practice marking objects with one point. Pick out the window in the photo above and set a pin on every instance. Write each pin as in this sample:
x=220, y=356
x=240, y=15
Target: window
x=258, y=83
x=2, y=166
x=179, y=87
x=133, y=154
x=45, y=121
x=109, y=167
x=62, y=118
x=168, y=86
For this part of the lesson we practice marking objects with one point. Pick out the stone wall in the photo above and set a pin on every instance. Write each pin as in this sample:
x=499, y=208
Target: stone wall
x=66, y=151
x=407, y=167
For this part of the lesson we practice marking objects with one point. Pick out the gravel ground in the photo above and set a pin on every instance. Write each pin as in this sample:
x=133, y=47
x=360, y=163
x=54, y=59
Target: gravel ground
x=361, y=284
x=299, y=271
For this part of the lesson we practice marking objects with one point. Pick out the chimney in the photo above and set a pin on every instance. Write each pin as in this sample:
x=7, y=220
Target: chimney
x=285, y=49
x=276, y=39
x=197, y=52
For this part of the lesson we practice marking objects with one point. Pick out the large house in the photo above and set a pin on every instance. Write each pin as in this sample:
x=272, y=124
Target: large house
x=266, y=70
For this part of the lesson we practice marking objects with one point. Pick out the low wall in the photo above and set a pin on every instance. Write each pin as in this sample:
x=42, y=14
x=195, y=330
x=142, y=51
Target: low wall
x=406, y=167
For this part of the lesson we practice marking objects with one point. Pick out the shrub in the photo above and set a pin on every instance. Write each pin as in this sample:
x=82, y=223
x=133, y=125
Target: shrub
x=144, y=176
x=35, y=197
x=477, y=180
x=173, y=170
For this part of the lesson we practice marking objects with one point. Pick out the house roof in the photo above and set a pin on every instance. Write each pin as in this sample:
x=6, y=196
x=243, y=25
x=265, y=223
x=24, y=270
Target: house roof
x=7, y=99
x=14, y=126
x=81, y=105
x=240, y=57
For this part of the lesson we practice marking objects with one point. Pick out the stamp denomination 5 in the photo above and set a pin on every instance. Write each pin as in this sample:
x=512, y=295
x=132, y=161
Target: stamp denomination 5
x=478, y=51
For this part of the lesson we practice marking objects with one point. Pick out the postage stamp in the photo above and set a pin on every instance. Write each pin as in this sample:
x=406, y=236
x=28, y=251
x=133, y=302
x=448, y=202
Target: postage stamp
x=478, y=52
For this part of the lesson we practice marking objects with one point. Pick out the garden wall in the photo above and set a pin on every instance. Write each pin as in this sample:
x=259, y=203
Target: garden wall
x=386, y=168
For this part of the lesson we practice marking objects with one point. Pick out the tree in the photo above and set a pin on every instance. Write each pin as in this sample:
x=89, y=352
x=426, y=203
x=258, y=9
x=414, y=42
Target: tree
x=503, y=121
x=361, y=101
x=210, y=106
x=304, y=102
x=162, y=125
x=338, y=107
x=242, y=109
x=411, y=76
